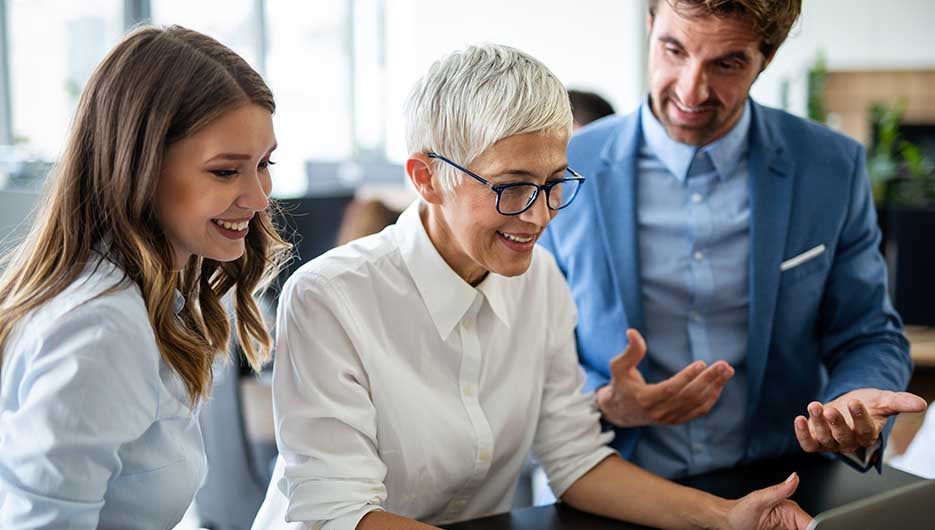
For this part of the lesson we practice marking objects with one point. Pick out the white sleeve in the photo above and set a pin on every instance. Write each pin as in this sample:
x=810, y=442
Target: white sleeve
x=325, y=420
x=77, y=394
x=568, y=440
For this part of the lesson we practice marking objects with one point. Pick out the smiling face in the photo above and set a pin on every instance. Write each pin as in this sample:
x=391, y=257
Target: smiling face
x=701, y=69
x=465, y=226
x=213, y=182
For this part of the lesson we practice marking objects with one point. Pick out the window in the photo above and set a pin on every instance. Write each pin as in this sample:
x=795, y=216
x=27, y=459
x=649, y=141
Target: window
x=54, y=47
x=233, y=22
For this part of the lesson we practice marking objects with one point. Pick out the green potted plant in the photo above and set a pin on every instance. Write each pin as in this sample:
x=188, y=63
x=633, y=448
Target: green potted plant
x=903, y=183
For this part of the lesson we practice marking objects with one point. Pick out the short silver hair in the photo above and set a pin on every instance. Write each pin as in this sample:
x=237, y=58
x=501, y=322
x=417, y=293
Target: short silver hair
x=473, y=98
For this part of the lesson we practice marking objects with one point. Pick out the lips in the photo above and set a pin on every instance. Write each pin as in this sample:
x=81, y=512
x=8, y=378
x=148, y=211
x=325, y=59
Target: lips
x=691, y=110
x=521, y=243
x=691, y=113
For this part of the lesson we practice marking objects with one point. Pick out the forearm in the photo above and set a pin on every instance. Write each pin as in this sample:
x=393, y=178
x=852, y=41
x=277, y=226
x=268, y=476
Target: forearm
x=380, y=520
x=849, y=371
x=618, y=489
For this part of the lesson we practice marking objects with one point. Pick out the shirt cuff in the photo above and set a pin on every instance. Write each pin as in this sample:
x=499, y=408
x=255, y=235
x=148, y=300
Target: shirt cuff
x=865, y=457
x=346, y=522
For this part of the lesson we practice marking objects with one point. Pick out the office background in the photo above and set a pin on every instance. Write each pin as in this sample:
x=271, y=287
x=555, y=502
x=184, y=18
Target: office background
x=341, y=69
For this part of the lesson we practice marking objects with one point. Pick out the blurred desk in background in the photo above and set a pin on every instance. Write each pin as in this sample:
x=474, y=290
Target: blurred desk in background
x=922, y=345
x=922, y=350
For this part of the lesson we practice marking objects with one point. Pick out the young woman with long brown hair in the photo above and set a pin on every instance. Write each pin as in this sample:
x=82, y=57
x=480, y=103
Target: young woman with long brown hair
x=111, y=311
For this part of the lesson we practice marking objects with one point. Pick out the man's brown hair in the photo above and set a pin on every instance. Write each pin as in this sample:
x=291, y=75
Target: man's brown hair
x=771, y=19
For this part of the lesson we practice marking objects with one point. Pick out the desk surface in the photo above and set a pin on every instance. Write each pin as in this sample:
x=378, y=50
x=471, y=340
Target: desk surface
x=825, y=484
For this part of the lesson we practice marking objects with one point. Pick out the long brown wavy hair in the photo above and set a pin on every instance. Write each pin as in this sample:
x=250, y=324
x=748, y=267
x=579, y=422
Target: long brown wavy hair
x=157, y=86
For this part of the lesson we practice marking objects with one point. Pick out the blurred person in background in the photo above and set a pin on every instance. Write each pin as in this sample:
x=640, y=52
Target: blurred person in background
x=587, y=107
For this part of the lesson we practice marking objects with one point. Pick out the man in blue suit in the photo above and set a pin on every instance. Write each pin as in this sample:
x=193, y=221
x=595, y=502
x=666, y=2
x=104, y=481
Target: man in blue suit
x=742, y=243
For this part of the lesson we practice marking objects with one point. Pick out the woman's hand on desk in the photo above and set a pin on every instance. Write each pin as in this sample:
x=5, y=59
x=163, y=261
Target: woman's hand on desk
x=769, y=508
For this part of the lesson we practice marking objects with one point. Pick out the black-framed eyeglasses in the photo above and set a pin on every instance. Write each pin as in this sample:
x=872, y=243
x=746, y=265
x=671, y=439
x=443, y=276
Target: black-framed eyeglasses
x=514, y=198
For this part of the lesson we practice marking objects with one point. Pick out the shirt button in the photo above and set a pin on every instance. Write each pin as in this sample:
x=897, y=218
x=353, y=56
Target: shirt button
x=468, y=390
x=698, y=255
x=459, y=503
x=697, y=198
x=694, y=316
x=697, y=448
x=468, y=323
x=484, y=456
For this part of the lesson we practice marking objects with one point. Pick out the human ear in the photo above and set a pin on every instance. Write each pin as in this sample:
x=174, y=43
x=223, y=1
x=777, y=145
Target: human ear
x=419, y=170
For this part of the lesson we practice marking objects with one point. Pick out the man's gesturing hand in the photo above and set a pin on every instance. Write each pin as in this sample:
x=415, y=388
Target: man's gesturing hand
x=853, y=420
x=628, y=401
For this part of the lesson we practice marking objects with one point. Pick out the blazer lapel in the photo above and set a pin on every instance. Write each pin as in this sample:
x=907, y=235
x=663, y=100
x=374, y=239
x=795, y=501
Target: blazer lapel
x=618, y=217
x=771, y=187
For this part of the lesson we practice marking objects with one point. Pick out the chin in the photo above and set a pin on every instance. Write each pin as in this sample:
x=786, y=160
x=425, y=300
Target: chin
x=225, y=256
x=514, y=268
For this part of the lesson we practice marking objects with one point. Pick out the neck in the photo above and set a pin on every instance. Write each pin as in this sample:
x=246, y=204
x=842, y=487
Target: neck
x=447, y=246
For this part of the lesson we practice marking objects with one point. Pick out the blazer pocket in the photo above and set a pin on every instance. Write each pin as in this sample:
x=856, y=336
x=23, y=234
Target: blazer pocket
x=804, y=257
x=803, y=265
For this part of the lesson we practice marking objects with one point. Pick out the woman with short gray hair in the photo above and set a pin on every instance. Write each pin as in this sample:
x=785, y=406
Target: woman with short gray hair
x=442, y=351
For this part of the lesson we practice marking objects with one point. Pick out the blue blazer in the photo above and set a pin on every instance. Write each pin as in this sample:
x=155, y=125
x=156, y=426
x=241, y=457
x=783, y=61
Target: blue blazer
x=816, y=330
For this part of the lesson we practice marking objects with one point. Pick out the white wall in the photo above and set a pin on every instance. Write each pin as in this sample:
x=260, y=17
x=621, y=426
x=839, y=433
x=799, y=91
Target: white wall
x=600, y=44
x=591, y=44
x=853, y=34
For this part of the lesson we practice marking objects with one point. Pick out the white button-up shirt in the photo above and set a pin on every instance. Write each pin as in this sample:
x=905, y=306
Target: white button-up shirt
x=398, y=386
x=96, y=430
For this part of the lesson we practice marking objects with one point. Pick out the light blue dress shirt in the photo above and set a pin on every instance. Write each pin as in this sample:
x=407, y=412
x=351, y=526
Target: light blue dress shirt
x=96, y=431
x=693, y=227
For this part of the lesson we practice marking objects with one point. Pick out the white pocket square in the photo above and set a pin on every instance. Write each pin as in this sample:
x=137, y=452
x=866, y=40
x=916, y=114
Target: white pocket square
x=810, y=254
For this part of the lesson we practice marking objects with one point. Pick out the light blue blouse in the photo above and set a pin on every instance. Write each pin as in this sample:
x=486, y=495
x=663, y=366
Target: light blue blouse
x=96, y=431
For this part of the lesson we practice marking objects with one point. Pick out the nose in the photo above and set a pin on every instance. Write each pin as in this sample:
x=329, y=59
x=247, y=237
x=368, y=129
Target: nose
x=692, y=87
x=255, y=191
x=538, y=214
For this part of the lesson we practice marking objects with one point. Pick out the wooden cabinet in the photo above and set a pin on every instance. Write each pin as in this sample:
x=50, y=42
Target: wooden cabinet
x=849, y=95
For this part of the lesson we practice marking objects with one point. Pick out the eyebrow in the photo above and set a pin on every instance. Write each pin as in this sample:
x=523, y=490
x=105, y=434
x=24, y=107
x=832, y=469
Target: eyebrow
x=231, y=156
x=526, y=173
x=735, y=55
x=241, y=156
x=670, y=40
x=739, y=55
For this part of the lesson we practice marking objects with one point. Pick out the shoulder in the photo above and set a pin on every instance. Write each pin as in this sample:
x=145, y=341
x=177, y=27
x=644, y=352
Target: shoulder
x=591, y=139
x=91, y=347
x=361, y=265
x=100, y=319
x=806, y=139
x=102, y=294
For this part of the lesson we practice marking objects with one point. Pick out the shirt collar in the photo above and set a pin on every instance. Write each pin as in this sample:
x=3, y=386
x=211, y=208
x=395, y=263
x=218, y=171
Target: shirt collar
x=446, y=295
x=725, y=153
x=495, y=288
x=179, y=302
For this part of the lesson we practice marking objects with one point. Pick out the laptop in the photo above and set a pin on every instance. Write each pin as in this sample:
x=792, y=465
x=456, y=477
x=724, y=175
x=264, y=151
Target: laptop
x=910, y=507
